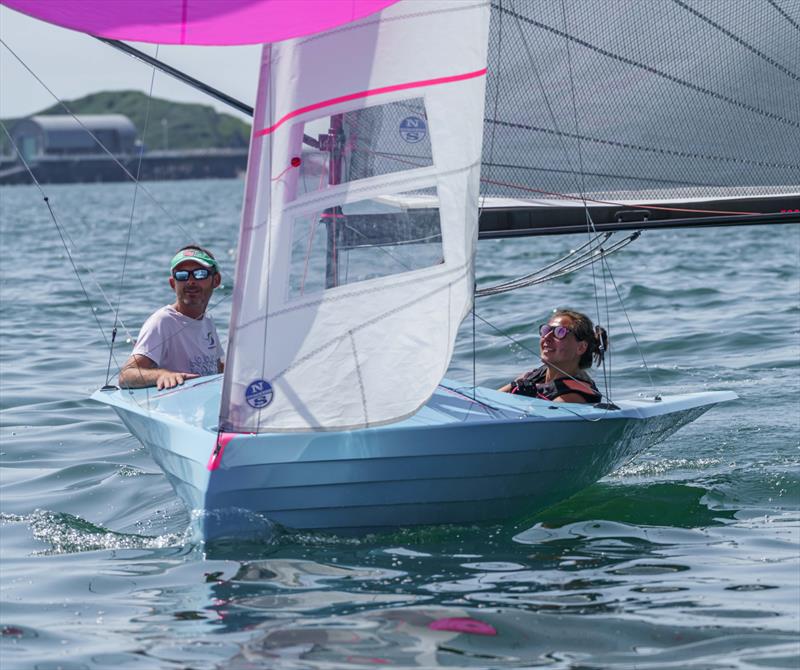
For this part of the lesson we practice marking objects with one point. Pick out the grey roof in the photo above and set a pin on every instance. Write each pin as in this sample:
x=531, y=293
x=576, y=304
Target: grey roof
x=93, y=122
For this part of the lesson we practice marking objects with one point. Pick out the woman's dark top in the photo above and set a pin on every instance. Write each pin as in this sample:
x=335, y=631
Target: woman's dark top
x=533, y=384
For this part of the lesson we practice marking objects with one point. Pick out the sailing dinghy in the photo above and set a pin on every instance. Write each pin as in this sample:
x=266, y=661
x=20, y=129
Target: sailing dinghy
x=458, y=459
x=355, y=268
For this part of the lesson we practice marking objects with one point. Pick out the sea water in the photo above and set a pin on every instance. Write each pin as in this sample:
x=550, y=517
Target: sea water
x=685, y=557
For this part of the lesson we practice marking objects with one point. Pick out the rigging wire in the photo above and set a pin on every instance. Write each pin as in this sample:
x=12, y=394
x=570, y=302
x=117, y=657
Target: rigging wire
x=542, y=88
x=60, y=232
x=633, y=333
x=568, y=266
x=580, y=183
x=495, y=105
x=554, y=121
x=67, y=235
x=601, y=343
x=496, y=100
x=64, y=234
x=474, y=348
x=130, y=224
x=590, y=227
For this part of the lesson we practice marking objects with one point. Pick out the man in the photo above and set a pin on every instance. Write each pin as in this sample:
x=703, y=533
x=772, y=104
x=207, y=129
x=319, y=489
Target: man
x=179, y=341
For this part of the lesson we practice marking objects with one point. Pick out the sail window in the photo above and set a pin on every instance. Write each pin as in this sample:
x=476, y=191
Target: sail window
x=367, y=142
x=364, y=240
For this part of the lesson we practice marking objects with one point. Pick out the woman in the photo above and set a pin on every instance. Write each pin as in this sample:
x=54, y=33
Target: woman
x=568, y=343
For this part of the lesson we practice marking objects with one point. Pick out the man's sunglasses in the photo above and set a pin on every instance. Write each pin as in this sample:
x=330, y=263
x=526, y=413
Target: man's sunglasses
x=559, y=332
x=197, y=273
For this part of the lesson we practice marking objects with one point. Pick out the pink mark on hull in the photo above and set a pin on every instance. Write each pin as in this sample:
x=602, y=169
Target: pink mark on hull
x=216, y=455
x=463, y=625
x=366, y=94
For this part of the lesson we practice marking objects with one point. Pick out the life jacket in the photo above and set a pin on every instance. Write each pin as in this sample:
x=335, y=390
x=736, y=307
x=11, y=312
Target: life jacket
x=533, y=385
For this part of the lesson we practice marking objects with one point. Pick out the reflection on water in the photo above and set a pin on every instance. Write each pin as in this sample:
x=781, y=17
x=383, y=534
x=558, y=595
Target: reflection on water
x=430, y=637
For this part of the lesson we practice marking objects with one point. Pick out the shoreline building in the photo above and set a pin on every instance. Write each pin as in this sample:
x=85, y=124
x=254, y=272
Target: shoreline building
x=67, y=149
x=64, y=135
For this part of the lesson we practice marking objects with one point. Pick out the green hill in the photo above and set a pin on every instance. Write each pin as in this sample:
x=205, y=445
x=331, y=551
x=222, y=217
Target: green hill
x=181, y=125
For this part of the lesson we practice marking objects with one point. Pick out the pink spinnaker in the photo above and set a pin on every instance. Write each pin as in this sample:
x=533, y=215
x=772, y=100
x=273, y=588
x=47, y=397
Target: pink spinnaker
x=201, y=22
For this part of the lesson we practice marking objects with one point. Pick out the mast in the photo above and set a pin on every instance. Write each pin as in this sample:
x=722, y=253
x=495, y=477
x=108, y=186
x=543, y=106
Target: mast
x=333, y=217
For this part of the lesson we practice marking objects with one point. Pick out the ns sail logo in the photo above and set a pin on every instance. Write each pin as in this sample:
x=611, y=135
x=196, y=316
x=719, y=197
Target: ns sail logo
x=413, y=129
x=259, y=394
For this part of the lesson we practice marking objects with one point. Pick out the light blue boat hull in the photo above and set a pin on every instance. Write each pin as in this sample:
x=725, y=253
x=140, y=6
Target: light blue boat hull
x=454, y=461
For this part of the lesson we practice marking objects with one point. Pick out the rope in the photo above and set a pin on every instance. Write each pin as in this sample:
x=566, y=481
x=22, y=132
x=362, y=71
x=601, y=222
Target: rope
x=573, y=265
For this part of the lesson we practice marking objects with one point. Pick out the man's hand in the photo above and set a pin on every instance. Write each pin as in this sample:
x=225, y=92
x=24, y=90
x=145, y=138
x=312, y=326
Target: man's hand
x=168, y=379
x=140, y=371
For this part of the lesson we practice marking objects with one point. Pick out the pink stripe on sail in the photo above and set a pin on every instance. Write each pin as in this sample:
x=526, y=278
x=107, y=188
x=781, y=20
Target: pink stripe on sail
x=366, y=94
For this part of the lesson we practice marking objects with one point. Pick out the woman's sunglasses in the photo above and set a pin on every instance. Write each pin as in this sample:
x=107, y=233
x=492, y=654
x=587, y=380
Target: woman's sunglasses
x=559, y=332
x=197, y=273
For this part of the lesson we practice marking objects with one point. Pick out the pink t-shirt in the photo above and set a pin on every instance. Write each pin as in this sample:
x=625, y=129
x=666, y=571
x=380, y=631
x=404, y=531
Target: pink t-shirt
x=179, y=343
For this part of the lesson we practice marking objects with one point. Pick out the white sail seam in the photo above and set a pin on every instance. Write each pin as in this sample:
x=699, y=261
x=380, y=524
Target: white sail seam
x=365, y=324
x=360, y=378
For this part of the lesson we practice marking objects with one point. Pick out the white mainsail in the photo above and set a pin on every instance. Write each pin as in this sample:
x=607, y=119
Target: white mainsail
x=355, y=262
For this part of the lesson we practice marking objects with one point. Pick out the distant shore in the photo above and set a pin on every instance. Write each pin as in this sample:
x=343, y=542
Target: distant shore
x=155, y=165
